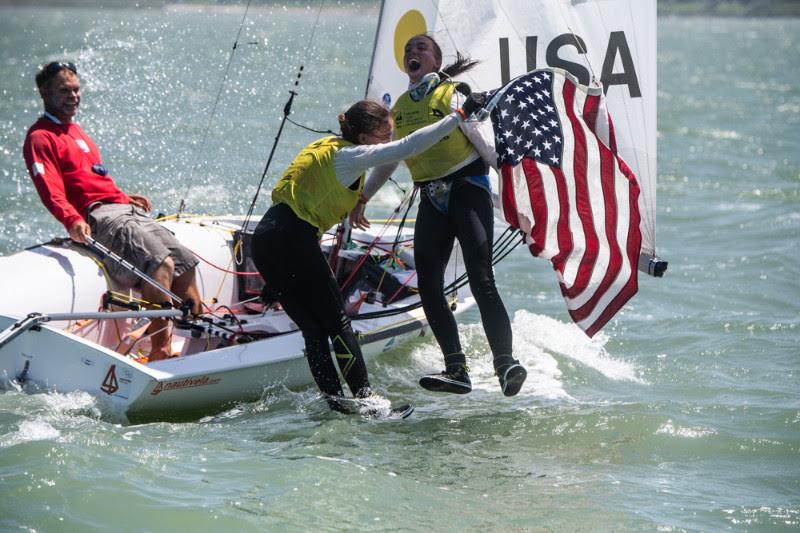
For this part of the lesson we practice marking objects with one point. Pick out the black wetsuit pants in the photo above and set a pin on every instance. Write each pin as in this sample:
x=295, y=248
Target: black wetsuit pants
x=470, y=219
x=287, y=254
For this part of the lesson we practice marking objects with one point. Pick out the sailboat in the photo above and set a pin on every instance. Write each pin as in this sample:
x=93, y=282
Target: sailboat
x=71, y=330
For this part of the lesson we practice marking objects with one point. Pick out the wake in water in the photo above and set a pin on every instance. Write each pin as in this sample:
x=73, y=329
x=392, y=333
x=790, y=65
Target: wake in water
x=541, y=343
x=42, y=415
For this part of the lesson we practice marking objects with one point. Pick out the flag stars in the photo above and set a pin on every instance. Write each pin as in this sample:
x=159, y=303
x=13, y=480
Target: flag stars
x=526, y=122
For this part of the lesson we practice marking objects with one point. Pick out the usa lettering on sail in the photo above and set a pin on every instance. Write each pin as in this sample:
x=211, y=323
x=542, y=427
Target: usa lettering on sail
x=617, y=47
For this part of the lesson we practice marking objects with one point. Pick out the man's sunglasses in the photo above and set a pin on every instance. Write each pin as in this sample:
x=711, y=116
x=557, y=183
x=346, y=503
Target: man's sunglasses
x=51, y=69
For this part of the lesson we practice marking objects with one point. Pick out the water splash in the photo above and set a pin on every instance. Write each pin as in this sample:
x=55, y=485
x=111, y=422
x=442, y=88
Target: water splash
x=28, y=431
x=548, y=334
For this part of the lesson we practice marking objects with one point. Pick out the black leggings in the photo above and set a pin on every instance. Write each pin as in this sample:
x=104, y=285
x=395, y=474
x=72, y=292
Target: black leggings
x=287, y=254
x=470, y=219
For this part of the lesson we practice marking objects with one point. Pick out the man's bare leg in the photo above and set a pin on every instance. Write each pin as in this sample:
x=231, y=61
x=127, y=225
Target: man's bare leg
x=185, y=286
x=161, y=340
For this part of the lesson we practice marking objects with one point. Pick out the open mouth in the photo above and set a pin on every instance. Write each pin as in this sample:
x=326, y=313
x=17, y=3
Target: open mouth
x=413, y=65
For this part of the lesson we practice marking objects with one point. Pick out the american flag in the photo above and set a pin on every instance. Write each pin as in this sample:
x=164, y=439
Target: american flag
x=564, y=186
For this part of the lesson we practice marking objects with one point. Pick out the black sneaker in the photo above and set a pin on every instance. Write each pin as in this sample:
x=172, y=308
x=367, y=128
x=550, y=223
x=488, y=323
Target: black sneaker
x=511, y=375
x=455, y=381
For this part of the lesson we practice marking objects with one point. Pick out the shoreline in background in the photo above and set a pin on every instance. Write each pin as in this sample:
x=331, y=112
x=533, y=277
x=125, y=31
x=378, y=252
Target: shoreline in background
x=723, y=8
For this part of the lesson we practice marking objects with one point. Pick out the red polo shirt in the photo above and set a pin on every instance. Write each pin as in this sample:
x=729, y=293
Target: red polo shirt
x=59, y=158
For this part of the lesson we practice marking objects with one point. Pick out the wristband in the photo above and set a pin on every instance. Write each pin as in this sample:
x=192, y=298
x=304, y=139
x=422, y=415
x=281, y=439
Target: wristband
x=461, y=114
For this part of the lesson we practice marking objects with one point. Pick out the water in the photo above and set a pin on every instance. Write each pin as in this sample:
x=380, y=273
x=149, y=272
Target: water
x=683, y=415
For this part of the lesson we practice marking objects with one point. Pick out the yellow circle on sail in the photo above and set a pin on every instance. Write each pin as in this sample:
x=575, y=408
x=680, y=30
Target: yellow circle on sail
x=410, y=24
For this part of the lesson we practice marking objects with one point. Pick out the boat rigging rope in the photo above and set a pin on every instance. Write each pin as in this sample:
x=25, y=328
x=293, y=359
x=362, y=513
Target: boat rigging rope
x=287, y=109
x=501, y=247
x=213, y=113
x=408, y=198
x=312, y=129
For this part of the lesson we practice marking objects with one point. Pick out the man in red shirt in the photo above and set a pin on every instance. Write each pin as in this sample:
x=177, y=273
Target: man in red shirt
x=72, y=182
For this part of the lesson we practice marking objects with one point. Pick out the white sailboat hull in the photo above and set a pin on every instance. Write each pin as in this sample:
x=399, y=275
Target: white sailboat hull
x=50, y=359
x=212, y=374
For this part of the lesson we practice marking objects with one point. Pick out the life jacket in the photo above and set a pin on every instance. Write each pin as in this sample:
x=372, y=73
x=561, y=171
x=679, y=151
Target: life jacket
x=309, y=185
x=450, y=152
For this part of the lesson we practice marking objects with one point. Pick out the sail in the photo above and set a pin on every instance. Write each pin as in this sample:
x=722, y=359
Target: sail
x=610, y=42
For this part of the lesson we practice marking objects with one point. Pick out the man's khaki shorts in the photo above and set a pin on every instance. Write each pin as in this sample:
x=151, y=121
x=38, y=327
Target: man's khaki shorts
x=130, y=233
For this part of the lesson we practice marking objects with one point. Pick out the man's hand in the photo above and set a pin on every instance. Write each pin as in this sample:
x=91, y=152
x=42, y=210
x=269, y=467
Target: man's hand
x=79, y=231
x=142, y=202
x=357, y=218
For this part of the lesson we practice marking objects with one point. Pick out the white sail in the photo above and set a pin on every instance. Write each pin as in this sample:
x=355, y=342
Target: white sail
x=610, y=41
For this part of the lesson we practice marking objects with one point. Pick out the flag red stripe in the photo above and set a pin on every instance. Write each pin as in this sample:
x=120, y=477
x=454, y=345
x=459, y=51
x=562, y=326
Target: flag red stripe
x=536, y=199
x=590, y=108
x=608, y=178
x=634, y=244
x=563, y=231
x=612, y=139
x=583, y=203
x=509, y=202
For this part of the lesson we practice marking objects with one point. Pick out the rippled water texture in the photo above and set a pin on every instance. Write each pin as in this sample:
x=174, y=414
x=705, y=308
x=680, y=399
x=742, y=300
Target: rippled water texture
x=684, y=414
